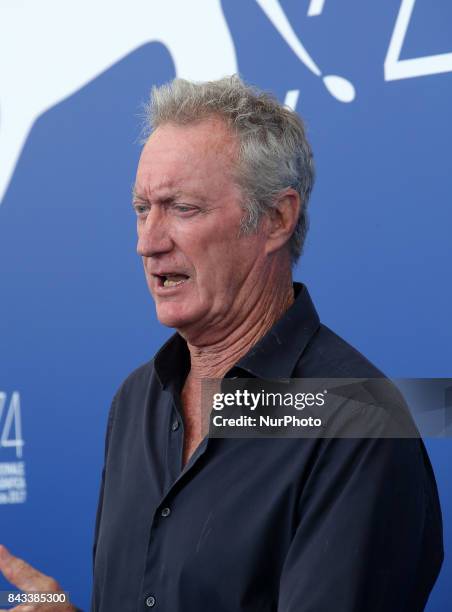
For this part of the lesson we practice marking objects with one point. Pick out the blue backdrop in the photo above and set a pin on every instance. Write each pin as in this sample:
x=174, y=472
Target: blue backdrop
x=75, y=314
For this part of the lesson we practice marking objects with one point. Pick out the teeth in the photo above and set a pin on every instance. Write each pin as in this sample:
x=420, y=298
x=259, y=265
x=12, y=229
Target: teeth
x=172, y=283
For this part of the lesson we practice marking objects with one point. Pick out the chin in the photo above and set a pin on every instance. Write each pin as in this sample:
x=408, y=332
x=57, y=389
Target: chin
x=173, y=317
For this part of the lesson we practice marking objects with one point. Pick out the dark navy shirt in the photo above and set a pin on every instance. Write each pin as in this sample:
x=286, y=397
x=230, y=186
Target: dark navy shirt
x=260, y=525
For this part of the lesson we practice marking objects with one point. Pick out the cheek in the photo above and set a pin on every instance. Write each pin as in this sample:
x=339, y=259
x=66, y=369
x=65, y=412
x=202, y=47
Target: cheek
x=220, y=260
x=219, y=285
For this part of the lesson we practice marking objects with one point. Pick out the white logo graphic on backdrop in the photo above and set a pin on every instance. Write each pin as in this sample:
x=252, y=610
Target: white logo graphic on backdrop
x=55, y=48
x=13, y=488
x=338, y=87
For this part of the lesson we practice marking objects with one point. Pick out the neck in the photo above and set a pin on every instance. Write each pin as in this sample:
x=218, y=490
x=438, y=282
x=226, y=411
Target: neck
x=214, y=360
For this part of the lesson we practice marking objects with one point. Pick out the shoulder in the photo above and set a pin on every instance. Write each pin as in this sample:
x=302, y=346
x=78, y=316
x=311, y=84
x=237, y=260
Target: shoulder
x=138, y=378
x=369, y=404
x=329, y=355
x=129, y=393
x=134, y=385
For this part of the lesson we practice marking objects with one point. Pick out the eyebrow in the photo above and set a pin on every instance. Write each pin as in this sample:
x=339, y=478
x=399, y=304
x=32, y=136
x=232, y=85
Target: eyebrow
x=169, y=199
x=135, y=195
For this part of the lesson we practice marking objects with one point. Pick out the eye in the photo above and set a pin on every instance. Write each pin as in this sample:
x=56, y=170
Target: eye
x=183, y=208
x=140, y=209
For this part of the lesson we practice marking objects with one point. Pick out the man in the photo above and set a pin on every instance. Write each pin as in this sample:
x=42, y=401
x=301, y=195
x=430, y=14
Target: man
x=187, y=522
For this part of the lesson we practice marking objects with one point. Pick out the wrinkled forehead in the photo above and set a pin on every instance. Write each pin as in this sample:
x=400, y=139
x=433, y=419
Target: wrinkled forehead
x=175, y=156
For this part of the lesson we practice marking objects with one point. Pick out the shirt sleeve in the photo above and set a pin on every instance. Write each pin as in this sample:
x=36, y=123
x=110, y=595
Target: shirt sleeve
x=368, y=534
x=111, y=417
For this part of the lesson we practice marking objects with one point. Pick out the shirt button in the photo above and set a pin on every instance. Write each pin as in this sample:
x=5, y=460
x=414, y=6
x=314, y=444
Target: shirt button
x=150, y=601
x=165, y=512
x=175, y=425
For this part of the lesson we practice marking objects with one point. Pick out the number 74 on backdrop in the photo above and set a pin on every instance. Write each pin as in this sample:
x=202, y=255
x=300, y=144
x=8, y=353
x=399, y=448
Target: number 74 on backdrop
x=10, y=422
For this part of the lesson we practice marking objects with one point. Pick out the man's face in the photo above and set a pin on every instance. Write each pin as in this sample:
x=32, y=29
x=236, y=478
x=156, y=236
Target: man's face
x=201, y=274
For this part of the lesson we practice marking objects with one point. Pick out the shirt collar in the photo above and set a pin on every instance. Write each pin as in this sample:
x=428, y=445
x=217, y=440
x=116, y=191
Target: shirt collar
x=172, y=362
x=275, y=355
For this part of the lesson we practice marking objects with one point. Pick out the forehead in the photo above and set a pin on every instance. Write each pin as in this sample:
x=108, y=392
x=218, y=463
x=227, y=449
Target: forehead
x=201, y=155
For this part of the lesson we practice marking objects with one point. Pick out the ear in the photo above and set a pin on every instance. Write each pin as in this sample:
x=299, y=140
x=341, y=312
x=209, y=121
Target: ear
x=282, y=219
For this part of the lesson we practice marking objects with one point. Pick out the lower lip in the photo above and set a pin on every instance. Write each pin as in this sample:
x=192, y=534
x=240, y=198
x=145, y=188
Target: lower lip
x=172, y=290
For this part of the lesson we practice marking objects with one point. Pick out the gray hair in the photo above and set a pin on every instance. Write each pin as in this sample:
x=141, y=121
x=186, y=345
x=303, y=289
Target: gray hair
x=274, y=153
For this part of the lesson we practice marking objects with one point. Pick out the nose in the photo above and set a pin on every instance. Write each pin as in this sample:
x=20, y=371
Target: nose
x=154, y=233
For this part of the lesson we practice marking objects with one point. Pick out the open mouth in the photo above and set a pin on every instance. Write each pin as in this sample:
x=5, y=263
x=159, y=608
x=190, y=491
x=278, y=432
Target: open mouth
x=171, y=280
